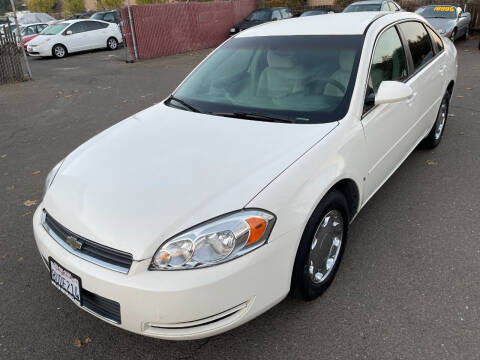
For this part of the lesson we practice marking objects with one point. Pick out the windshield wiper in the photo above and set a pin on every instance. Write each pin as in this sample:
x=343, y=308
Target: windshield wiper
x=252, y=116
x=185, y=104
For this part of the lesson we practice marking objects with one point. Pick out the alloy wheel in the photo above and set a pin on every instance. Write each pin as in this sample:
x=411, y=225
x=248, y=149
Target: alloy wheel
x=441, y=119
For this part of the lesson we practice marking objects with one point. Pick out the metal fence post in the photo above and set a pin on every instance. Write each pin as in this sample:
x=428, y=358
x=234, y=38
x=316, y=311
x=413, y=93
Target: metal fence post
x=132, y=30
x=20, y=37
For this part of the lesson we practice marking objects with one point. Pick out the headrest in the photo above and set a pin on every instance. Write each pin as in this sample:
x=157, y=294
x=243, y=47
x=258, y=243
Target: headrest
x=279, y=59
x=346, y=58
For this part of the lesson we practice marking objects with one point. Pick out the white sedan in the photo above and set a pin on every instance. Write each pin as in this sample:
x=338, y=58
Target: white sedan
x=70, y=36
x=202, y=212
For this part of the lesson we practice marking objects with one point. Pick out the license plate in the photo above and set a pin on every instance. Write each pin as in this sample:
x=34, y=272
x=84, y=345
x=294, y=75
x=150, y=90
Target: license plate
x=67, y=282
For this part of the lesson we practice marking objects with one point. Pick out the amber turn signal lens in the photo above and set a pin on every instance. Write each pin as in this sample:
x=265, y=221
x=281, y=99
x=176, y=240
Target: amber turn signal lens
x=257, y=228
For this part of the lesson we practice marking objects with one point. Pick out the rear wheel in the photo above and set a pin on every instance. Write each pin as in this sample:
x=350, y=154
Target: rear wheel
x=112, y=43
x=59, y=51
x=321, y=247
x=467, y=34
x=435, y=135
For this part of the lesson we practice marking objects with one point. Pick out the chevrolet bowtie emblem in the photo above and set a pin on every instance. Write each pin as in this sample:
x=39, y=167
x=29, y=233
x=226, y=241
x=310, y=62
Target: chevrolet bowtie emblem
x=74, y=243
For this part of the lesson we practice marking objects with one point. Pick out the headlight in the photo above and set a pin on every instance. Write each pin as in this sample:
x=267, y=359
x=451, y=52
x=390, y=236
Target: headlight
x=50, y=177
x=215, y=241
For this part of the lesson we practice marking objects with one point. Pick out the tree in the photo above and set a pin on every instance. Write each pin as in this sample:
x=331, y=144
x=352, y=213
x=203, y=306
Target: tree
x=6, y=7
x=112, y=4
x=73, y=6
x=41, y=5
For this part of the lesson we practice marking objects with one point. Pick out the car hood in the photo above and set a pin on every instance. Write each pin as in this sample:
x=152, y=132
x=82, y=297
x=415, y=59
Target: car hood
x=40, y=38
x=164, y=170
x=442, y=24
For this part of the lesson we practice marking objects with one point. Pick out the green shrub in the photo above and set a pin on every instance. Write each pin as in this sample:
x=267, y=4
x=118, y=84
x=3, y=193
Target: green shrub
x=41, y=5
x=73, y=6
x=112, y=4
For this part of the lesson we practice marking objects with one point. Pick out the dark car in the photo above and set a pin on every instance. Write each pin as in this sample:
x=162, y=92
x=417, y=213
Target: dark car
x=313, y=12
x=373, y=5
x=261, y=16
x=112, y=16
x=84, y=15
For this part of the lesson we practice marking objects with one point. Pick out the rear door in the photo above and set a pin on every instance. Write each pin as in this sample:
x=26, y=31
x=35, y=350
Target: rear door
x=427, y=79
x=97, y=34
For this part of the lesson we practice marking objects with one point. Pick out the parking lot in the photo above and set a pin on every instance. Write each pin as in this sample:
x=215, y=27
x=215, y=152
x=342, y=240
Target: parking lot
x=409, y=284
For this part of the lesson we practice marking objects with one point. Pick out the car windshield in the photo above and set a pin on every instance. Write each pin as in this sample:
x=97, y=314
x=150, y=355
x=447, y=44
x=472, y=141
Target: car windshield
x=54, y=29
x=314, y=12
x=442, y=12
x=362, y=7
x=301, y=79
x=259, y=15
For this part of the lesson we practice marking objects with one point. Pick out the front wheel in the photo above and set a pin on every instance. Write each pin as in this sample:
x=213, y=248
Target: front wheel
x=321, y=247
x=59, y=51
x=112, y=43
x=435, y=135
x=453, y=35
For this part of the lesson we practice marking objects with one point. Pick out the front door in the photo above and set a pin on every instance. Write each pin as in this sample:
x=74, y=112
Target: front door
x=386, y=125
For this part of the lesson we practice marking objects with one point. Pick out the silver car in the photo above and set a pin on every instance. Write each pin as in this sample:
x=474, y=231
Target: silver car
x=449, y=20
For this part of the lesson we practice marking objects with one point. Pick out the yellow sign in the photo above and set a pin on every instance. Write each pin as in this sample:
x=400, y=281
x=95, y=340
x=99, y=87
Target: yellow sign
x=443, y=8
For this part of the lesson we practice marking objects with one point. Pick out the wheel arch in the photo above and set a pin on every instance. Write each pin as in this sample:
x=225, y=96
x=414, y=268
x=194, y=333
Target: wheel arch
x=450, y=86
x=349, y=188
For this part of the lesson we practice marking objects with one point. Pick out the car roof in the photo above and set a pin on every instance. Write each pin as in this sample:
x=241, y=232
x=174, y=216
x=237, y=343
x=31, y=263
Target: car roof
x=353, y=23
x=367, y=2
x=73, y=21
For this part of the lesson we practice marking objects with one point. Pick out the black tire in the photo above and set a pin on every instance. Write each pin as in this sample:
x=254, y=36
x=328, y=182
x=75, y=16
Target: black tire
x=302, y=284
x=59, y=51
x=112, y=43
x=453, y=34
x=466, y=35
x=435, y=135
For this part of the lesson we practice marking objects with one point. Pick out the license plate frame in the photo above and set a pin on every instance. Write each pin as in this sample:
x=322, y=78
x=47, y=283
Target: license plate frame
x=65, y=281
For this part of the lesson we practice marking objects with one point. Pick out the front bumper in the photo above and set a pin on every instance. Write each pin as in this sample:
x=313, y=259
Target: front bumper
x=185, y=304
x=42, y=50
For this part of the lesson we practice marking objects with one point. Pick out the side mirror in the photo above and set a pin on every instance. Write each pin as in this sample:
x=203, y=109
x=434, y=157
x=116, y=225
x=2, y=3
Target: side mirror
x=69, y=32
x=392, y=92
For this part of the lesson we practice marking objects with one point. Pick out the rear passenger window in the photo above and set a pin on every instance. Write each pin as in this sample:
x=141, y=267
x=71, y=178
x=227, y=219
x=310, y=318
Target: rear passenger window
x=418, y=42
x=435, y=39
x=389, y=61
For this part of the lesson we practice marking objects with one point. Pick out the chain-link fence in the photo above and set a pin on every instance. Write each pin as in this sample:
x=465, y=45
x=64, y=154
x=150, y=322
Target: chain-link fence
x=10, y=60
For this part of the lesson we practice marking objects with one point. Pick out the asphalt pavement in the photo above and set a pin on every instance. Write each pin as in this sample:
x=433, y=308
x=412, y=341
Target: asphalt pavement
x=408, y=287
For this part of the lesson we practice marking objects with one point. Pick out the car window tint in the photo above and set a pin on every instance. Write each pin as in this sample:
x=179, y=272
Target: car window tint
x=435, y=39
x=276, y=15
x=77, y=28
x=29, y=30
x=94, y=25
x=286, y=13
x=389, y=61
x=109, y=17
x=418, y=42
x=41, y=27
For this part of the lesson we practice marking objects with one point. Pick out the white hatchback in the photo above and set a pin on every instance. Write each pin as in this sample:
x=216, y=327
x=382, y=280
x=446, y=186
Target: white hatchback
x=75, y=35
x=202, y=212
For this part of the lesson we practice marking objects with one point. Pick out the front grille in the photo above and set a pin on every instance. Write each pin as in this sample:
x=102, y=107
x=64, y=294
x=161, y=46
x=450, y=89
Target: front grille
x=101, y=306
x=91, y=251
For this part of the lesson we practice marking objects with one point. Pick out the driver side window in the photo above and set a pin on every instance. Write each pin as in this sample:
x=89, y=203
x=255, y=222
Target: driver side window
x=388, y=62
